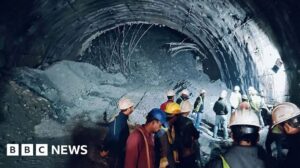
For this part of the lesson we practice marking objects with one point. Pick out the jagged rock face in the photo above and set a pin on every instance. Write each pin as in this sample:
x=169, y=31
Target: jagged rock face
x=240, y=37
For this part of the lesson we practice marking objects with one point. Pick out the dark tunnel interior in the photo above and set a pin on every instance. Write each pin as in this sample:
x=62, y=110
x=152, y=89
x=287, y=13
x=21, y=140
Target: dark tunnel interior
x=64, y=64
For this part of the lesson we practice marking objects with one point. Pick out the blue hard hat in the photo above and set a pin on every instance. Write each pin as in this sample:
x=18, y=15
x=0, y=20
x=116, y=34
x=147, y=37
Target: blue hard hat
x=159, y=115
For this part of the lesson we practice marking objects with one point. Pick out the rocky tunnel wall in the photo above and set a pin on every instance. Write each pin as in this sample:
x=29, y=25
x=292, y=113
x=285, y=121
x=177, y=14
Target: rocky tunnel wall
x=236, y=35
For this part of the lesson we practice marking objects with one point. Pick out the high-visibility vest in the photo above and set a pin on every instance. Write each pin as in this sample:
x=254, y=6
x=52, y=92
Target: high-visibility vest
x=224, y=163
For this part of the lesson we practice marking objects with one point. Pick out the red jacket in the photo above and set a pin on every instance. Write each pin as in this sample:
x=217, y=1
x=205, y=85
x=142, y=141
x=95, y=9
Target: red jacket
x=136, y=153
x=164, y=105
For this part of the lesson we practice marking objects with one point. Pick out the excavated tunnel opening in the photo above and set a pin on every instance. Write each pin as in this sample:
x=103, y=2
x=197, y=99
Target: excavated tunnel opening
x=65, y=64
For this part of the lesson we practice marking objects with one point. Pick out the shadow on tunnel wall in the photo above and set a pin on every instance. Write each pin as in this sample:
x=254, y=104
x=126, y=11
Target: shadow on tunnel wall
x=93, y=138
x=3, y=106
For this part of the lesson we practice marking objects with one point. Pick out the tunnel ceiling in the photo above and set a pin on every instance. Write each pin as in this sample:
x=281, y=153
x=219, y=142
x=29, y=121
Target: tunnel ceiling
x=40, y=32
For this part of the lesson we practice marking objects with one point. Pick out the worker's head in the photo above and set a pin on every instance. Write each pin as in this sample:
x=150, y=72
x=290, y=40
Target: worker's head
x=287, y=117
x=172, y=109
x=170, y=94
x=186, y=108
x=202, y=92
x=244, y=125
x=126, y=106
x=244, y=97
x=155, y=119
x=185, y=94
x=236, y=88
x=223, y=94
x=251, y=90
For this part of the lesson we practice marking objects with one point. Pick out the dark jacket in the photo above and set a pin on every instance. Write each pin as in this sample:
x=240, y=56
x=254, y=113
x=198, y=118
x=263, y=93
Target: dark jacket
x=185, y=134
x=199, y=104
x=115, y=141
x=179, y=100
x=164, y=148
x=243, y=157
x=220, y=107
x=293, y=156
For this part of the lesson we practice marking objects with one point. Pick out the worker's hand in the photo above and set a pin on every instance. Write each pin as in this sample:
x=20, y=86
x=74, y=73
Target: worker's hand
x=163, y=162
x=103, y=153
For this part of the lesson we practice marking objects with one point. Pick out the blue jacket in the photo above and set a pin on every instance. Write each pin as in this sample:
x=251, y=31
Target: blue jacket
x=115, y=141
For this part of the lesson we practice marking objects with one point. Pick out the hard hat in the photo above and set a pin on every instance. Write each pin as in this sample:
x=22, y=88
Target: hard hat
x=202, y=91
x=244, y=97
x=283, y=112
x=244, y=117
x=125, y=103
x=251, y=90
x=171, y=93
x=237, y=88
x=159, y=115
x=186, y=106
x=172, y=108
x=185, y=92
x=223, y=94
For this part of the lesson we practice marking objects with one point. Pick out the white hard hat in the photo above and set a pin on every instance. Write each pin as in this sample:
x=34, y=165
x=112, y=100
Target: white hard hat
x=251, y=90
x=283, y=112
x=202, y=91
x=125, y=103
x=237, y=88
x=185, y=91
x=185, y=107
x=171, y=93
x=244, y=117
x=223, y=94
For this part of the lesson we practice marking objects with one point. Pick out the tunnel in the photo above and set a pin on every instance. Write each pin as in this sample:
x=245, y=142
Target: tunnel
x=64, y=64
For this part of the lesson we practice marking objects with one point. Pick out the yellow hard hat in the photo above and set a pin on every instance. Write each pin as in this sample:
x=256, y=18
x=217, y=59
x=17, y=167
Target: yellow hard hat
x=283, y=112
x=172, y=108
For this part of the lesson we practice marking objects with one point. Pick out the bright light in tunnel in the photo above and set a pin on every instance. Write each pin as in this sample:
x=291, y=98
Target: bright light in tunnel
x=265, y=54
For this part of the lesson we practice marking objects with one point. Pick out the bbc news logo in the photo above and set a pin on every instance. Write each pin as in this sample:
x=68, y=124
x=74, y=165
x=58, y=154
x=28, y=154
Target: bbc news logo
x=43, y=150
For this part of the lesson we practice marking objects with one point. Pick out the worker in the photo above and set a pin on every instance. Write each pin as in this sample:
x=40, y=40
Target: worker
x=256, y=104
x=235, y=98
x=118, y=132
x=199, y=108
x=245, y=152
x=170, y=97
x=184, y=96
x=276, y=135
x=245, y=103
x=287, y=117
x=140, y=143
x=221, y=110
x=165, y=153
x=186, y=138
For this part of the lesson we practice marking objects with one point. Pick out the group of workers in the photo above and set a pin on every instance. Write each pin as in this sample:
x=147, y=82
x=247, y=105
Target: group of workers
x=169, y=138
x=253, y=101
